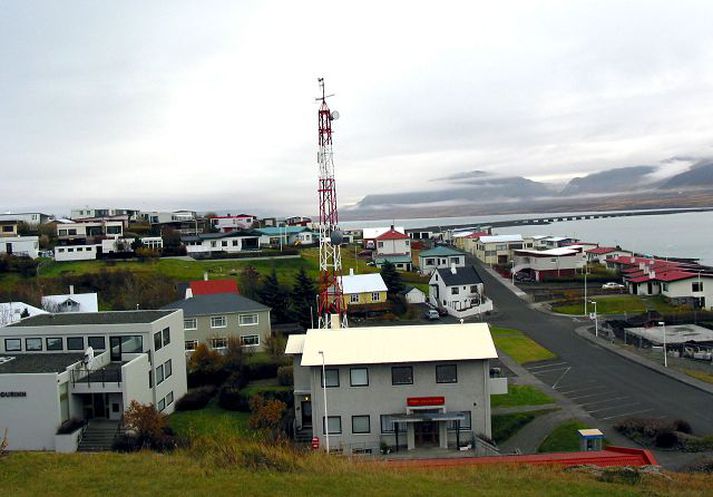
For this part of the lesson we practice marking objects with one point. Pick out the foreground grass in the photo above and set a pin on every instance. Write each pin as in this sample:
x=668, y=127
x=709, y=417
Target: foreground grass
x=211, y=420
x=699, y=375
x=519, y=346
x=520, y=395
x=563, y=438
x=184, y=473
x=505, y=426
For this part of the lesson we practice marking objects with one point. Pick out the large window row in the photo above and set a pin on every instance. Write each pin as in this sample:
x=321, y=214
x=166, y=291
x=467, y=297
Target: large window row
x=361, y=424
x=53, y=344
x=161, y=338
x=164, y=371
x=166, y=401
x=400, y=375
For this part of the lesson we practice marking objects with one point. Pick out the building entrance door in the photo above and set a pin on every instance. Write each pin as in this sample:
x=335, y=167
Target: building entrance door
x=306, y=414
x=115, y=346
x=99, y=405
x=426, y=434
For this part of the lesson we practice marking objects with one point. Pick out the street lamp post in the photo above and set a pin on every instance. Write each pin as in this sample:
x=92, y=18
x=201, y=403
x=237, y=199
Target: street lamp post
x=665, y=356
x=585, y=287
x=324, y=390
x=596, y=319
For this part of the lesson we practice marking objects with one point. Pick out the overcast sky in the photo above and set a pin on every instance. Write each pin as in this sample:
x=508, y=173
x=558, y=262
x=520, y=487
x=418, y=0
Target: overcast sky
x=209, y=104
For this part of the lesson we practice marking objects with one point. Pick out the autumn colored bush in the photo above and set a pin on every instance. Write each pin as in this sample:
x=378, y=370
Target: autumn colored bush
x=267, y=416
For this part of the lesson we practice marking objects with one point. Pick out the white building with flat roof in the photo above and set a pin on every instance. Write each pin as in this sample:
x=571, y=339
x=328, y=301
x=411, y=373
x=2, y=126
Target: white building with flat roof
x=403, y=386
x=24, y=246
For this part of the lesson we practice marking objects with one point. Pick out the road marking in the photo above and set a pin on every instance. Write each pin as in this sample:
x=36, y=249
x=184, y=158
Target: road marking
x=554, y=385
x=631, y=404
x=577, y=397
x=547, y=365
x=550, y=370
x=628, y=414
x=589, y=404
x=586, y=389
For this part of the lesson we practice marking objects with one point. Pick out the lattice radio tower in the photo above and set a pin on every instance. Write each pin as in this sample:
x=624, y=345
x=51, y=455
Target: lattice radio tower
x=331, y=309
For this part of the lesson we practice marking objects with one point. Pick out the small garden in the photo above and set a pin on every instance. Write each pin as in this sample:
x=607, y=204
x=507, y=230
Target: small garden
x=519, y=346
x=564, y=438
x=520, y=395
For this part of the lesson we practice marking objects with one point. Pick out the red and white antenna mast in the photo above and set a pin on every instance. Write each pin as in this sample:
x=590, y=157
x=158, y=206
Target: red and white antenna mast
x=331, y=308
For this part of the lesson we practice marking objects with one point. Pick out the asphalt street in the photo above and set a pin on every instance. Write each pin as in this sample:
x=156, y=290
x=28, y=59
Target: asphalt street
x=607, y=386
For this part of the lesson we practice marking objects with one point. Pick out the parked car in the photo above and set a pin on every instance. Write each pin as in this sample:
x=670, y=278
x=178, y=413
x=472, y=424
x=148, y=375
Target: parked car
x=612, y=286
x=432, y=314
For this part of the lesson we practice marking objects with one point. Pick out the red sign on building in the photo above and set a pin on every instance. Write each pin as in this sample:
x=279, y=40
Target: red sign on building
x=425, y=401
x=315, y=443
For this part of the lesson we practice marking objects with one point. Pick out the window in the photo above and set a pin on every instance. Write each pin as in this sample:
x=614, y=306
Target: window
x=429, y=262
x=361, y=424
x=15, y=344
x=167, y=369
x=75, y=343
x=159, y=374
x=375, y=296
x=697, y=286
x=332, y=378
x=169, y=398
x=150, y=379
x=191, y=344
x=235, y=243
x=157, y=341
x=402, y=375
x=247, y=319
x=447, y=373
x=166, y=336
x=132, y=344
x=162, y=404
x=213, y=244
x=54, y=343
x=32, y=344
x=190, y=324
x=473, y=288
x=250, y=340
x=359, y=377
x=217, y=322
x=387, y=424
x=380, y=244
x=455, y=290
x=335, y=425
x=354, y=298
x=664, y=287
x=464, y=424
x=219, y=343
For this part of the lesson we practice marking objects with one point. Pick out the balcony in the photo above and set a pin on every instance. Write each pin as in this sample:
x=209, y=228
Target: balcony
x=105, y=379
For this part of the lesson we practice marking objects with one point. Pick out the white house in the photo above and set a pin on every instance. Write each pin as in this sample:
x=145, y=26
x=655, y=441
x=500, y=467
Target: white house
x=550, y=263
x=33, y=219
x=89, y=231
x=63, y=253
x=460, y=291
x=369, y=235
x=28, y=246
x=406, y=387
x=413, y=295
x=498, y=249
x=395, y=247
x=93, y=212
x=439, y=257
x=71, y=302
x=226, y=224
x=11, y=312
x=601, y=254
x=206, y=244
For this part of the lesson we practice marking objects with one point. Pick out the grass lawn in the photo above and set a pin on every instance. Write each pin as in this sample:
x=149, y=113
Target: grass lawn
x=519, y=346
x=608, y=304
x=147, y=474
x=700, y=375
x=211, y=420
x=564, y=438
x=506, y=425
x=520, y=395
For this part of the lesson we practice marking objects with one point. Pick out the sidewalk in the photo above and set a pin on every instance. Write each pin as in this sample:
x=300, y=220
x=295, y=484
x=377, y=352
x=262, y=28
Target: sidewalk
x=506, y=282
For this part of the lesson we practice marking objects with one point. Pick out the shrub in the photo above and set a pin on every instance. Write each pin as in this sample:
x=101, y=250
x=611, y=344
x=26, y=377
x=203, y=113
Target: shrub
x=145, y=421
x=231, y=399
x=3, y=444
x=666, y=439
x=267, y=416
x=262, y=367
x=285, y=376
x=658, y=432
x=70, y=426
x=126, y=443
x=682, y=425
x=196, y=398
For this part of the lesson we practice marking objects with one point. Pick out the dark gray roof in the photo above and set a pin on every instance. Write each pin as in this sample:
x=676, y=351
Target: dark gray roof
x=218, y=303
x=39, y=362
x=464, y=276
x=215, y=236
x=76, y=318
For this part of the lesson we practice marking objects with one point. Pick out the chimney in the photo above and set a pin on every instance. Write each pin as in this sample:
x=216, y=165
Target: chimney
x=351, y=271
x=205, y=275
x=189, y=293
x=71, y=289
x=652, y=274
x=453, y=268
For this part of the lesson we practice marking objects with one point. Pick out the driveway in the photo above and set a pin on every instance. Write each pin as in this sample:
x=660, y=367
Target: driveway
x=605, y=385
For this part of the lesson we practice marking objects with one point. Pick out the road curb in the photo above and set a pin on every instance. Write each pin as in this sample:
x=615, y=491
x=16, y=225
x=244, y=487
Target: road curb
x=683, y=378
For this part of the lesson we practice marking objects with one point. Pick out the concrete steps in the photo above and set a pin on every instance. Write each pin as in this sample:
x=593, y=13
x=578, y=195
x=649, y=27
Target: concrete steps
x=98, y=436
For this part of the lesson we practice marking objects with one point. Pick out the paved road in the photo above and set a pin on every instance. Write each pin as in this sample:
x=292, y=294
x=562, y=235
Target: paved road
x=606, y=385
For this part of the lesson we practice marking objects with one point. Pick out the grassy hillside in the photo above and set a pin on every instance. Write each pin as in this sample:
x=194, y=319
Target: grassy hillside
x=148, y=474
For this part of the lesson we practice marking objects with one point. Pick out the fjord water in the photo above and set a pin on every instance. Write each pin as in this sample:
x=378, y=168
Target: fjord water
x=684, y=234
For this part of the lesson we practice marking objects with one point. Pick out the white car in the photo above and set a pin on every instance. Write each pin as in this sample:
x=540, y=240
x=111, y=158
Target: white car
x=612, y=286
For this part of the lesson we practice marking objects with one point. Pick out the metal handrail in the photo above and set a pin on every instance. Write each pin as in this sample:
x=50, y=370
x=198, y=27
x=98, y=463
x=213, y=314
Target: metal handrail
x=102, y=376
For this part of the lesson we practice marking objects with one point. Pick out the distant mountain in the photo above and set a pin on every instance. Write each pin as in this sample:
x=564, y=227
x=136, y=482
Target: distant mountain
x=698, y=176
x=466, y=190
x=613, y=180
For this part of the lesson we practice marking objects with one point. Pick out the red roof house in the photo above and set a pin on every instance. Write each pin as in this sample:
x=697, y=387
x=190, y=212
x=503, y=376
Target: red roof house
x=211, y=287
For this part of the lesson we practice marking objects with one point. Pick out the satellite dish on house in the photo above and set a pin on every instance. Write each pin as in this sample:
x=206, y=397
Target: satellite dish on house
x=335, y=115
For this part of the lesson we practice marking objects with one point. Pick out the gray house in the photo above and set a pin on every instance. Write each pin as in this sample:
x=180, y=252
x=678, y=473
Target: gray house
x=212, y=319
x=404, y=386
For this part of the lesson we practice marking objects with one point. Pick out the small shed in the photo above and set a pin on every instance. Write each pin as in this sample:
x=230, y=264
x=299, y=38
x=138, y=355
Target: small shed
x=413, y=295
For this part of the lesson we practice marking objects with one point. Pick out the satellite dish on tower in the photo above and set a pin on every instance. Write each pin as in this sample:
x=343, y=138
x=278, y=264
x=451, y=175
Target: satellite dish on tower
x=335, y=115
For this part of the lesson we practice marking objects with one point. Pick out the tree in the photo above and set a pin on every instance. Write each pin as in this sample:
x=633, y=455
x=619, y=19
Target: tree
x=303, y=298
x=249, y=282
x=23, y=229
x=146, y=421
x=275, y=296
x=391, y=278
x=267, y=416
x=136, y=244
